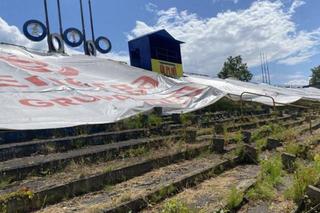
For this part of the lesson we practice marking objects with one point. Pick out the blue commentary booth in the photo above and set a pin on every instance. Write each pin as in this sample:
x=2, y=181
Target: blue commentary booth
x=158, y=52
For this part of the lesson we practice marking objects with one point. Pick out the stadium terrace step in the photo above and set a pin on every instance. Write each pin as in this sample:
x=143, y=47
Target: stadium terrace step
x=19, y=168
x=50, y=190
x=135, y=194
x=24, y=149
x=12, y=136
x=212, y=195
x=54, y=193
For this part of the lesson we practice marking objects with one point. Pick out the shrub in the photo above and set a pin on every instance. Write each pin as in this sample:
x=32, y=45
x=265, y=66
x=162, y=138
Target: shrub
x=234, y=198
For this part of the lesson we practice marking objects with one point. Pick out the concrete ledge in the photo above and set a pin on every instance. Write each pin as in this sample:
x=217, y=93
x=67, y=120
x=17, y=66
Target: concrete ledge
x=97, y=182
x=160, y=194
x=18, y=169
x=288, y=161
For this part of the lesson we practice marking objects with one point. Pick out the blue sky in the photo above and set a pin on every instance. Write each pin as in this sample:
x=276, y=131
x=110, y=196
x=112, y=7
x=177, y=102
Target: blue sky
x=287, y=31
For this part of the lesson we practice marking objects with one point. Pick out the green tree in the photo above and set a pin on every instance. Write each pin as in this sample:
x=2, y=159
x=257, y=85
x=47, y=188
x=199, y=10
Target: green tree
x=315, y=77
x=234, y=68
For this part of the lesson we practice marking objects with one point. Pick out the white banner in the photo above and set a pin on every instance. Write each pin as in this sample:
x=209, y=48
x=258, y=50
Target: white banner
x=261, y=93
x=38, y=92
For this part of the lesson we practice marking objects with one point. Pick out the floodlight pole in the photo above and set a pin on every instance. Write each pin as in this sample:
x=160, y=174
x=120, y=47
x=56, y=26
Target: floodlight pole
x=47, y=22
x=91, y=20
x=83, y=27
x=60, y=19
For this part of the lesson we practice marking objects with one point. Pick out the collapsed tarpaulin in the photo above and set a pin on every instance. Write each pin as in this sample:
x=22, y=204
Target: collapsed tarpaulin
x=261, y=93
x=40, y=91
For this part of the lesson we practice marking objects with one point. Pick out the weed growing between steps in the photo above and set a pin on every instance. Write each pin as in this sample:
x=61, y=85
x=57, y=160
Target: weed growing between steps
x=305, y=175
x=234, y=198
x=176, y=206
x=186, y=119
x=266, y=131
x=23, y=194
x=269, y=177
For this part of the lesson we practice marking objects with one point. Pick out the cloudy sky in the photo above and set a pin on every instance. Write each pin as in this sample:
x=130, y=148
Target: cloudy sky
x=286, y=31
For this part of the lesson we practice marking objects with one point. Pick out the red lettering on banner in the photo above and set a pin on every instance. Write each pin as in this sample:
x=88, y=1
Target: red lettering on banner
x=187, y=91
x=36, y=81
x=37, y=66
x=69, y=71
x=105, y=98
x=99, y=85
x=26, y=64
x=64, y=102
x=86, y=99
x=131, y=91
x=75, y=82
x=35, y=103
x=121, y=97
x=8, y=81
x=146, y=82
x=56, y=82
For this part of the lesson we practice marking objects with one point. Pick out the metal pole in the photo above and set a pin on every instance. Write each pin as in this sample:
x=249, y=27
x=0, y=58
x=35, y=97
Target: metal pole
x=261, y=68
x=83, y=27
x=268, y=70
x=47, y=22
x=60, y=20
x=91, y=20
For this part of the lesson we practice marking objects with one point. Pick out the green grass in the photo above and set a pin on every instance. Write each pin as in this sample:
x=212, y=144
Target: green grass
x=285, y=135
x=154, y=120
x=305, y=175
x=271, y=170
x=269, y=176
x=234, y=198
x=261, y=143
x=266, y=131
x=176, y=206
x=186, y=119
x=261, y=191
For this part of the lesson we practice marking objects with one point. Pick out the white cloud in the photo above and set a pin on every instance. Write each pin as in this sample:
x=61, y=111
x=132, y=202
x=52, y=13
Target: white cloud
x=12, y=35
x=150, y=7
x=295, y=4
x=297, y=82
x=266, y=26
x=216, y=1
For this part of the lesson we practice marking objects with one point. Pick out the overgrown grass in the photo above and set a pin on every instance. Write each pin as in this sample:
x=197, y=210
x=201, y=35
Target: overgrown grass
x=305, y=175
x=186, y=119
x=261, y=143
x=176, y=206
x=136, y=152
x=154, y=120
x=266, y=131
x=269, y=176
x=234, y=198
x=134, y=122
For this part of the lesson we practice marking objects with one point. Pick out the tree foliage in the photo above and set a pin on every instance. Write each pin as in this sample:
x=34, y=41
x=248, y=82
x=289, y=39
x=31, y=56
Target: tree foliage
x=315, y=77
x=234, y=68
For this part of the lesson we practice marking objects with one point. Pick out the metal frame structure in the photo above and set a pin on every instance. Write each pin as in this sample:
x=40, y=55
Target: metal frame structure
x=274, y=106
